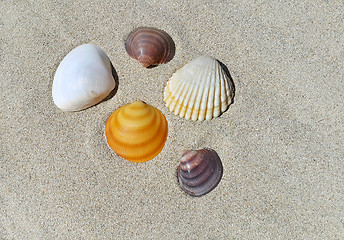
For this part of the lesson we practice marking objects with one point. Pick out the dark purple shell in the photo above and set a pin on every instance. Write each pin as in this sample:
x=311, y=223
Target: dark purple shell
x=150, y=46
x=199, y=171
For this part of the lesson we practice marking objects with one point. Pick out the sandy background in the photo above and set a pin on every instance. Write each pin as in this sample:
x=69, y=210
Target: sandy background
x=281, y=142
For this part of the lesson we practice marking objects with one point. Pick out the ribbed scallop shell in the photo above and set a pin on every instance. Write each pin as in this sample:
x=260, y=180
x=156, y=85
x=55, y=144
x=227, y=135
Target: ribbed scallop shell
x=136, y=131
x=199, y=90
x=83, y=78
x=199, y=171
x=150, y=46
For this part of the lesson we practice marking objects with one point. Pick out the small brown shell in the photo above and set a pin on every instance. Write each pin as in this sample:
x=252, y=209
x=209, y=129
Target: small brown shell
x=150, y=46
x=199, y=171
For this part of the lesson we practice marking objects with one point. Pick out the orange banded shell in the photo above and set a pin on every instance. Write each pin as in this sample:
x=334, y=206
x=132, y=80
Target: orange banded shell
x=150, y=46
x=137, y=131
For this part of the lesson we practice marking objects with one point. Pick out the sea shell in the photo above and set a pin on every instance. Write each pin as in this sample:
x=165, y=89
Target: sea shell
x=150, y=46
x=137, y=131
x=83, y=78
x=199, y=90
x=199, y=171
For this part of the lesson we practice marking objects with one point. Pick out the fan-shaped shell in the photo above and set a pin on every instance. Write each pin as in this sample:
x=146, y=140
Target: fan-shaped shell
x=199, y=90
x=150, y=46
x=199, y=171
x=136, y=131
x=83, y=78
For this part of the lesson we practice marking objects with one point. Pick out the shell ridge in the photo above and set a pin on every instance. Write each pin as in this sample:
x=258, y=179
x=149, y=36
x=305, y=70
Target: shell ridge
x=167, y=50
x=217, y=95
x=228, y=91
x=155, y=148
x=192, y=174
x=191, y=160
x=207, y=98
x=198, y=173
x=224, y=89
x=210, y=105
x=124, y=115
x=192, y=106
x=176, y=94
x=186, y=96
x=198, y=101
x=169, y=94
x=207, y=178
x=190, y=98
x=203, y=182
x=204, y=97
x=181, y=98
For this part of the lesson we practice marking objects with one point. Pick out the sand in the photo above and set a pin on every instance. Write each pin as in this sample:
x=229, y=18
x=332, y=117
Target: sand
x=281, y=141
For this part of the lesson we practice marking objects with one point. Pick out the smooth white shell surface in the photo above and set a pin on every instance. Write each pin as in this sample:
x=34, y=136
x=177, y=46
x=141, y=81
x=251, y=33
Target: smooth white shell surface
x=83, y=78
x=199, y=90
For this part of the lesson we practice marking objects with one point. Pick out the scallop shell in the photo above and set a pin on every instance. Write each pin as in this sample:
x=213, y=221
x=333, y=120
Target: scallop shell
x=137, y=131
x=150, y=46
x=83, y=78
x=199, y=171
x=199, y=90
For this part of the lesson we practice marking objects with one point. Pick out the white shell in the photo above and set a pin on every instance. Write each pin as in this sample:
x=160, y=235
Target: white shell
x=199, y=90
x=83, y=78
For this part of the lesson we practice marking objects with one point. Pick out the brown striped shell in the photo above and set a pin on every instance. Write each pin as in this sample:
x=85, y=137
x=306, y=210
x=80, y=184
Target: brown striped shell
x=150, y=46
x=199, y=171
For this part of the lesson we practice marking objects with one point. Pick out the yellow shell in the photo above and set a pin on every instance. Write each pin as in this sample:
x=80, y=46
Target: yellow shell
x=136, y=131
